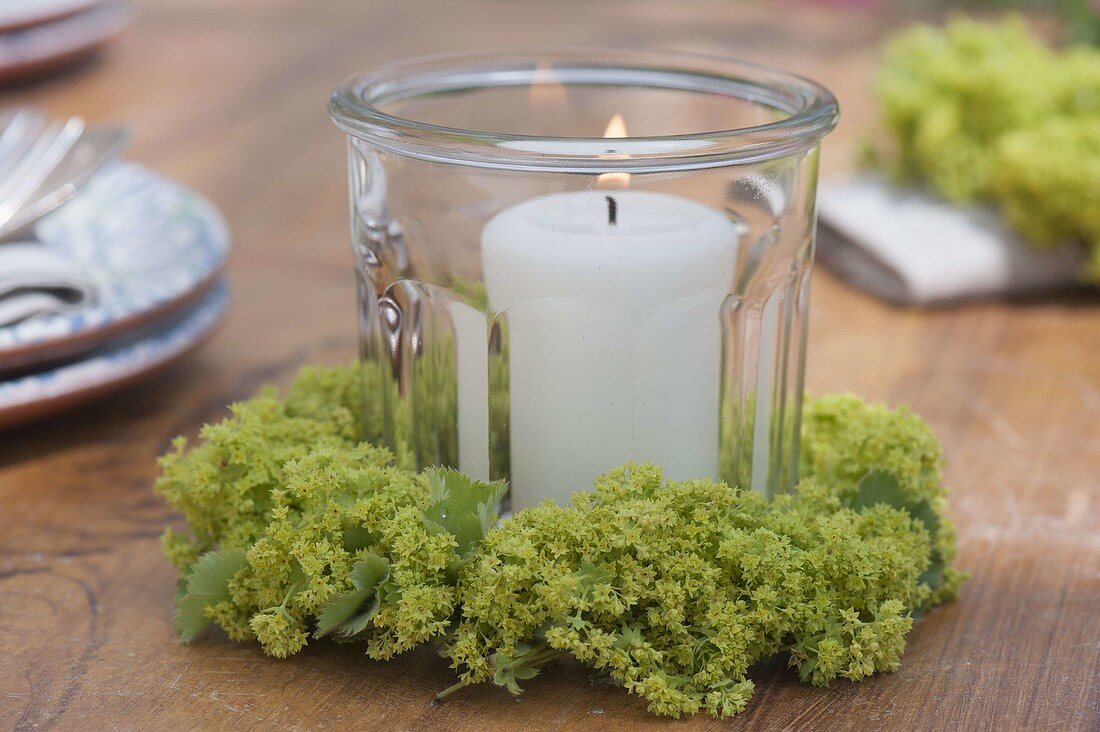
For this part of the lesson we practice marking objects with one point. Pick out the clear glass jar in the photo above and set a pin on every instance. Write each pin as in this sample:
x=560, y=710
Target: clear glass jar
x=545, y=293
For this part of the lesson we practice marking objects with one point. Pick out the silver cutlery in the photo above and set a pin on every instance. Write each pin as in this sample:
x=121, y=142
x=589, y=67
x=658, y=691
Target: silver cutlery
x=40, y=154
x=19, y=132
x=96, y=147
x=44, y=163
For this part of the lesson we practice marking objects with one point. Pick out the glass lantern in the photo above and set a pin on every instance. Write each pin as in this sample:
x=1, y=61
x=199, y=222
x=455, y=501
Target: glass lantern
x=571, y=260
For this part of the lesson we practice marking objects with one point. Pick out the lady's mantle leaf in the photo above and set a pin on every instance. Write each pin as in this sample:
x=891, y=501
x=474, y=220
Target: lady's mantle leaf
x=206, y=584
x=463, y=507
x=881, y=487
x=510, y=669
x=348, y=613
x=339, y=610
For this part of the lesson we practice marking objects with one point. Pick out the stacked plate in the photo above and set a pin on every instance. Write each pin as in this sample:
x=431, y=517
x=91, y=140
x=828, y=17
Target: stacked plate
x=152, y=252
x=38, y=36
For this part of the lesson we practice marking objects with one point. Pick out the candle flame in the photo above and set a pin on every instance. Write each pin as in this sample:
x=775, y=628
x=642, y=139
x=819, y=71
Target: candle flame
x=616, y=127
x=546, y=92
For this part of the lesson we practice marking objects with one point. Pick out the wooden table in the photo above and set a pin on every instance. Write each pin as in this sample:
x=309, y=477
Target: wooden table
x=230, y=98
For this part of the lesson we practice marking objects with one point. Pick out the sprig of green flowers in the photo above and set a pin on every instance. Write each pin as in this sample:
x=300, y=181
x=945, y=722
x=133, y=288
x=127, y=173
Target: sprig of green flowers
x=986, y=112
x=296, y=531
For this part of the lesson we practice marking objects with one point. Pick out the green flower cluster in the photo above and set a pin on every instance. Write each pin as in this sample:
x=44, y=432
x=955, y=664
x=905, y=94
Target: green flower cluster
x=225, y=486
x=673, y=589
x=844, y=439
x=986, y=112
x=314, y=531
x=676, y=588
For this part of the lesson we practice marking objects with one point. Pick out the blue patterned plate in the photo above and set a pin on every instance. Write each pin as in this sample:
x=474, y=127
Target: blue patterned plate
x=153, y=247
x=37, y=395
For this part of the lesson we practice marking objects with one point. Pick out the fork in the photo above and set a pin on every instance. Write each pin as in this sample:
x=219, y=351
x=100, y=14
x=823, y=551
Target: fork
x=17, y=129
x=98, y=146
x=30, y=149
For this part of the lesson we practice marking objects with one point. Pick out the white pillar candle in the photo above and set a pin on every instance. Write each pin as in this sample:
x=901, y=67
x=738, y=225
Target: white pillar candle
x=611, y=301
x=472, y=367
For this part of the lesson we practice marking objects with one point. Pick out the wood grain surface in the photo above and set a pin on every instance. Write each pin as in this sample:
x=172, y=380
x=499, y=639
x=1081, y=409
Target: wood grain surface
x=229, y=97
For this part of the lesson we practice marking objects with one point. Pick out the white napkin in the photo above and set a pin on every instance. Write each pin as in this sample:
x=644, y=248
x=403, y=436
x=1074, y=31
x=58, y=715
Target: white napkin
x=908, y=246
x=36, y=281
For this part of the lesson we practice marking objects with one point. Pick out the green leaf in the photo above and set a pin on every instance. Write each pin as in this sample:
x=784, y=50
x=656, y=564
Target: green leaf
x=504, y=672
x=463, y=507
x=345, y=614
x=876, y=487
x=359, y=622
x=882, y=487
x=465, y=528
x=924, y=512
x=461, y=494
x=339, y=610
x=207, y=584
x=181, y=589
x=523, y=664
x=367, y=573
x=525, y=672
x=359, y=538
x=934, y=575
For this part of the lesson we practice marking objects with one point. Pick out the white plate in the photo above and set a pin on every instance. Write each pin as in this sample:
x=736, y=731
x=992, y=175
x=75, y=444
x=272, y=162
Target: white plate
x=41, y=48
x=151, y=245
x=32, y=397
x=23, y=13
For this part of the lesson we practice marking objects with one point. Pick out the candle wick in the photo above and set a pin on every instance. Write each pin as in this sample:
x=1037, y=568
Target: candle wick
x=612, y=210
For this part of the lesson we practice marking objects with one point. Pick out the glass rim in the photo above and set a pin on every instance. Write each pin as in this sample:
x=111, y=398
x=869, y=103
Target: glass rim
x=811, y=110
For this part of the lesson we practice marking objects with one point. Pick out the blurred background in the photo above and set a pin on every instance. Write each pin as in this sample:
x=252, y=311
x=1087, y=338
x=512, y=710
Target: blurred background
x=226, y=102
